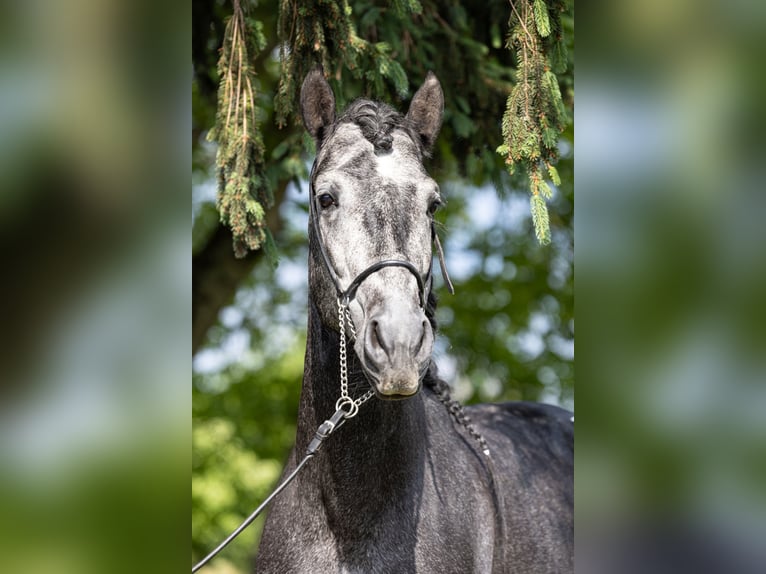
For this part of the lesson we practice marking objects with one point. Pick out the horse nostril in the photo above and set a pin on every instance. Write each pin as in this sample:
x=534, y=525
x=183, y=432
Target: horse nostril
x=376, y=339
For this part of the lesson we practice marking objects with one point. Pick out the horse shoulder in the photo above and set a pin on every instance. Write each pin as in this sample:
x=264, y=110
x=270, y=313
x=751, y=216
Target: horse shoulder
x=456, y=527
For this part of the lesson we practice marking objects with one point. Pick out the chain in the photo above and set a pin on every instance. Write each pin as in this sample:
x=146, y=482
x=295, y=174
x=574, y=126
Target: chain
x=350, y=323
x=345, y=400
x=345, y=408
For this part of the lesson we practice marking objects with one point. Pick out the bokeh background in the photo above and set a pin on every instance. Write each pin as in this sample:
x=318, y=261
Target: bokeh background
x=671, y=394
x=94, y=286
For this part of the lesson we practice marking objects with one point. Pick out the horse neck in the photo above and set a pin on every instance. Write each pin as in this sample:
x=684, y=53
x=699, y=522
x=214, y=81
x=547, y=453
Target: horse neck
x=373, y=459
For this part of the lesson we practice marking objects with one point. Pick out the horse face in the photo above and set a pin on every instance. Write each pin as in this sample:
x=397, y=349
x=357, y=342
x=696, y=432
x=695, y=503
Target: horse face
x=375, y=202
x=376, y=207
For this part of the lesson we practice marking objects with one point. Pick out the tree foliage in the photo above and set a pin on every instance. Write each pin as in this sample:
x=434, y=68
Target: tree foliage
x=535, y=115
x=244, y=192
x=379, y=51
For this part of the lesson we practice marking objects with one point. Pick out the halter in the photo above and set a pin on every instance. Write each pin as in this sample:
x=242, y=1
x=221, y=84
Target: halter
x=345, y=297
x=345, y=402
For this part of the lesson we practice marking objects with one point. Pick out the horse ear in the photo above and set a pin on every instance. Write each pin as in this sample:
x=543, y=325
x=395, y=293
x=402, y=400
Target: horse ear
x=317, y=103
x=426, y=110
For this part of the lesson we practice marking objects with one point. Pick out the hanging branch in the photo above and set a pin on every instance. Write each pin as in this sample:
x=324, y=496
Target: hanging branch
x=323, y=32
x=311, y=32
x=243, y=191
x=535, y=114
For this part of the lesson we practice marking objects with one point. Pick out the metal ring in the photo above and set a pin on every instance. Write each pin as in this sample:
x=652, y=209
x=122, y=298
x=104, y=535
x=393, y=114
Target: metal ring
x=353, y=407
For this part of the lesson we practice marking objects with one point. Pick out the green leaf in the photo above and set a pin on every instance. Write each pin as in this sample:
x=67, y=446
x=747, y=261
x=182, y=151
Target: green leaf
x=280, y=149
x=398, y=77
x=544, y=189
x=558, y=57
x=270, y=249
x=494, y=32
x=550, y=138
x=463, y=104
x=462, y=125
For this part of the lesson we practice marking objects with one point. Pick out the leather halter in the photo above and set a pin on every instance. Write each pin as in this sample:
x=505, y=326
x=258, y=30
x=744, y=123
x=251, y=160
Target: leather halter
x=348, y=295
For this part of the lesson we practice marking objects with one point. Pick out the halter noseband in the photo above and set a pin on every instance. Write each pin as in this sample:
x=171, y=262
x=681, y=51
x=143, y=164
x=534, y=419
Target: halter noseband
x=345, y=297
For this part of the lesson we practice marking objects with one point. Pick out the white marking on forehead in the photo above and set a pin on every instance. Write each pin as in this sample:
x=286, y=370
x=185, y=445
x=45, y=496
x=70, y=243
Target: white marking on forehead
x=389, y=165
x=401, y=163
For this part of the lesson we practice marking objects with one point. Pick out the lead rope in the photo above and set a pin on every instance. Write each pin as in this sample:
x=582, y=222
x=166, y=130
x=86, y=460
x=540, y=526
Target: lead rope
x=345, y=408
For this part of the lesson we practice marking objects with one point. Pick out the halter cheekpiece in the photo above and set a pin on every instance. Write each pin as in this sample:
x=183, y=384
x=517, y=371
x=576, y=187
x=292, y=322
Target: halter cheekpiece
x=347, y=295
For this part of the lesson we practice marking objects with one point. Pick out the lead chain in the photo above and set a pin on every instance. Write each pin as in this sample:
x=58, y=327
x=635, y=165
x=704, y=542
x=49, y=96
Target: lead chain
x=350, y=324
x=345, y=400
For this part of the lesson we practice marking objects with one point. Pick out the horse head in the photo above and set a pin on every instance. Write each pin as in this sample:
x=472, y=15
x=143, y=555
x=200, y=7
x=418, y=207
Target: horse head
x=371, y=230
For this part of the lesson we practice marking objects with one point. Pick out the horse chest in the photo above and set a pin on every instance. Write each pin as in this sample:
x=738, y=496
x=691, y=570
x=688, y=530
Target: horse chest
x=443, y=523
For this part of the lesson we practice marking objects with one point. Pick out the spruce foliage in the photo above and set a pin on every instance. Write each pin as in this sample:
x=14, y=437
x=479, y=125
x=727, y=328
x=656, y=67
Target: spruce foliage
x=243, y=191
x=322, y=31
x=535, y=113
x=383, y=50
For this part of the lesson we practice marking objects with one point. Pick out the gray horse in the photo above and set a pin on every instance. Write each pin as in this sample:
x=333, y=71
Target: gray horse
x=414, y=482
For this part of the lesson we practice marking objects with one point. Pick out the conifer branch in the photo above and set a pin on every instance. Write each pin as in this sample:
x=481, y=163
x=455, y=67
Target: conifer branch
x=243, y=191
x=535, y=114
x=521, y=21
x=323, y=32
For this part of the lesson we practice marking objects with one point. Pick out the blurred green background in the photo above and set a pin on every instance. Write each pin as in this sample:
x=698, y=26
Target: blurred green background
x=671, y=423
x=94, y=295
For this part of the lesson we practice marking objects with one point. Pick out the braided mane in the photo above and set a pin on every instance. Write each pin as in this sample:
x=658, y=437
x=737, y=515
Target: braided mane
x=378, y=122
x=441, y=388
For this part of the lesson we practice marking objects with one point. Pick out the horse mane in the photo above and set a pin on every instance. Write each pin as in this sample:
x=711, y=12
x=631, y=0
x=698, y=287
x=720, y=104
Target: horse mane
x=442, y=390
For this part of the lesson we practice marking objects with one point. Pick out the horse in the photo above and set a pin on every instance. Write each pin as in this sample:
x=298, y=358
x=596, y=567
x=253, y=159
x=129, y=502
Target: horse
x=415, y=482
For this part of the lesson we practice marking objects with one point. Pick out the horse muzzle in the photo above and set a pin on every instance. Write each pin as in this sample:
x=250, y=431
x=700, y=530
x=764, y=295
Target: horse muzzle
x=395, y=350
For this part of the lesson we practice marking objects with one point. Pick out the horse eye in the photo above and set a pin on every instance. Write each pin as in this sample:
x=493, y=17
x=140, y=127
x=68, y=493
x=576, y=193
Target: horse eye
x=433, y=206
x=326, y=200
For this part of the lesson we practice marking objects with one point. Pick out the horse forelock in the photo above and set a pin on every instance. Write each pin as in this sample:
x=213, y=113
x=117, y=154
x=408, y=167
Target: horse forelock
x=377, y=122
